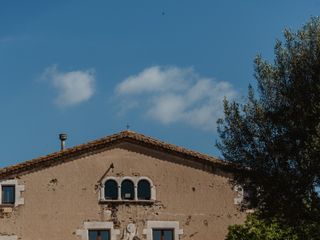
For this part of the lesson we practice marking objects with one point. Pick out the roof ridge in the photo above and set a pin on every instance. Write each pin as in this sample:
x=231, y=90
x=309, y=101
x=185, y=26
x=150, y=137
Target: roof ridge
x=100, y=143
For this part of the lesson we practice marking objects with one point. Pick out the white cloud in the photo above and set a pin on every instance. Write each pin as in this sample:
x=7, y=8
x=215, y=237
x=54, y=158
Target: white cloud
x=155, y=79
x=177, y=95
x=73, y=87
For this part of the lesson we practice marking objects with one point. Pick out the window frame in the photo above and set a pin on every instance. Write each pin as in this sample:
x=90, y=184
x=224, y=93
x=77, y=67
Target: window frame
x=149, y=189
x=133, y=190
x=13, y=192
x=102, y=199
x=83, y=233
x=8, y=237
x=18, y=189
x=107, y=230
x=158, y=225
x=117, y=189
x=162, y=230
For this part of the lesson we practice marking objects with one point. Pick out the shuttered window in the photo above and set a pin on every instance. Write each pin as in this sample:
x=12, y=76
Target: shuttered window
x=163, y=234
x=99, y=235
x=7, y=194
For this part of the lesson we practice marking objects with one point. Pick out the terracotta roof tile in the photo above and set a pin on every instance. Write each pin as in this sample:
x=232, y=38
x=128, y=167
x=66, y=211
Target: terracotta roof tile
x=129, y=136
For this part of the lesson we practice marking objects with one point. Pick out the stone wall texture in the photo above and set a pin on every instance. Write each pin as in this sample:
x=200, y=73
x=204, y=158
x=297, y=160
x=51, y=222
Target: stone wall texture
x=59, y=200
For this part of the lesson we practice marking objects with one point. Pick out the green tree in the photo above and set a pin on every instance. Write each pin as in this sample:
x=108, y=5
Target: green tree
x=274, y=136
x=256, y=229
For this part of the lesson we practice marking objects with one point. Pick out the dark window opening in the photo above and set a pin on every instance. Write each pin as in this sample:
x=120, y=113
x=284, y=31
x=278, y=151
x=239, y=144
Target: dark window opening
x=249, y=197
x=99, y=235
x=144, y=190
x=162, y=234
x=111, y=189
x=127, y=190
x=8, y=194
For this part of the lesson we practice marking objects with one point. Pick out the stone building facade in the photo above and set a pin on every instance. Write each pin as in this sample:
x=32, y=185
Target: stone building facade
x=124, y=186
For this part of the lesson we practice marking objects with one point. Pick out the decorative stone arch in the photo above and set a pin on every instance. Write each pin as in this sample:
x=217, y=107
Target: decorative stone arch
x=135, y=182
x=84, y=232
x=133, y=179
x=119, y=181
x=153, y=188
x=162, y=225
x=102, y=189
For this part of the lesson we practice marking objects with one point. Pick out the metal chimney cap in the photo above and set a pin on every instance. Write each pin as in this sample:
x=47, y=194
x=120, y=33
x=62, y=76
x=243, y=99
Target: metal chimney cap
x=63, y=136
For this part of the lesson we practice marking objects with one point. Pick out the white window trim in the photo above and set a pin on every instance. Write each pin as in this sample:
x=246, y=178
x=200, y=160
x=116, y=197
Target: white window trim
x=12, y=237
x=135, y=181
x=240, y=194
x=153, y=188
x=84, y=233
x=19, y=200
x=162, y=225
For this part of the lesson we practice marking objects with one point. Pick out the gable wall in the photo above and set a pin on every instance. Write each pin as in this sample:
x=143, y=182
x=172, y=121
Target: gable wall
x=58, y=200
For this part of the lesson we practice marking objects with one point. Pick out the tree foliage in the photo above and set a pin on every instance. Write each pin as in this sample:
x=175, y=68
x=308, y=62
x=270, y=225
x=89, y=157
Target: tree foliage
x=256, y=229
x=274, y=136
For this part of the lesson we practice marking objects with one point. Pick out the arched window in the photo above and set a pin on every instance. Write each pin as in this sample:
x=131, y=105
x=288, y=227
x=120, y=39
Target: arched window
x=127, y=189
x=111, y=189
x=144, y=190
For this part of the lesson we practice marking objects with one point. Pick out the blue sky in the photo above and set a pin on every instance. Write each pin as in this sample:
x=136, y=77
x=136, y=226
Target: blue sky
x=88, y=68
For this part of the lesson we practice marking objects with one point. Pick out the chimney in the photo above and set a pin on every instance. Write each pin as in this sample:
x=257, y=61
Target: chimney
x=63, y=138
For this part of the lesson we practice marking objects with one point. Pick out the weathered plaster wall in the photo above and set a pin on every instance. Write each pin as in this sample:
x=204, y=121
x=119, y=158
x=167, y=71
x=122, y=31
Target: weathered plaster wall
x=58, y=200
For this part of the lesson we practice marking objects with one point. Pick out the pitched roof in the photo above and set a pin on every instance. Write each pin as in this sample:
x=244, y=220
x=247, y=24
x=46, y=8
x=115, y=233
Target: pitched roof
x=124, y=136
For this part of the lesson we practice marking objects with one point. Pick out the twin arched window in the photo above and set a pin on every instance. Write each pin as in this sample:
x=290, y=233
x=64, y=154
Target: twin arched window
x=128, y=190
